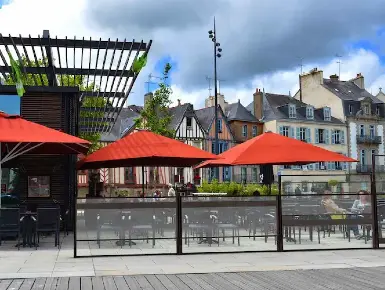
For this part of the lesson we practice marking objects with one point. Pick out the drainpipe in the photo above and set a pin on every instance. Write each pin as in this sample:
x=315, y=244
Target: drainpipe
x=348, y=144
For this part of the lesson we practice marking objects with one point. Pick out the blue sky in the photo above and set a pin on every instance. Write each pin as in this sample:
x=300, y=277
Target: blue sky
x=10, y=104
x=157, y=72
x=4, y=2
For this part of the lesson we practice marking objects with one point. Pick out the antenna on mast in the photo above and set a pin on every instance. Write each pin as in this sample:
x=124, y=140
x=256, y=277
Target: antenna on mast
x=339, y=65
x=301, y=64
x=150, y=82
x=209, y=80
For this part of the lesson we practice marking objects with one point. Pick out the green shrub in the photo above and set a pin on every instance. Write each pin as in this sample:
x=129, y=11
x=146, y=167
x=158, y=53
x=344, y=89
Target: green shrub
x=236, y=189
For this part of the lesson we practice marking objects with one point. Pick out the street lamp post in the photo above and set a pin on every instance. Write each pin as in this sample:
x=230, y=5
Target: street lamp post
x=217, y=54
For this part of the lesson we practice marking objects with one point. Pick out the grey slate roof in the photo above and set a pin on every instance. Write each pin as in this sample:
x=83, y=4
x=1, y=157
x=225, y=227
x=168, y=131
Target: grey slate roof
x=348, y=90
x=205, y=117
x=237, y=111
x=177, y=114
x=275, y=107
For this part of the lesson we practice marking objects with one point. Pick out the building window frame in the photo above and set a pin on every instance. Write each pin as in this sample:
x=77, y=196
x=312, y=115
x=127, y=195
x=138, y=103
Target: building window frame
x=292, y=111
x=309, y=112
x=327, y=114
x=219, y=124
x=244, y=130
x=129, y=175
x=189, y=120
x=255, y=131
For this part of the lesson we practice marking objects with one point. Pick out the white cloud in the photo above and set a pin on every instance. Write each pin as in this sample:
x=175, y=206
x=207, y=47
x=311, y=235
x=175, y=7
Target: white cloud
x=283, y=82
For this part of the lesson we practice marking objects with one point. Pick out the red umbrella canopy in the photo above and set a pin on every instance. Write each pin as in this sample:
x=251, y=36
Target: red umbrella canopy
x=35, y=138
x=275, y=149
x=144, y=148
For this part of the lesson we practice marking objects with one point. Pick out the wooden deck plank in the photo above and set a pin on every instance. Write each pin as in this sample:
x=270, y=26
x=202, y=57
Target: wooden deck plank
x=51, y=283
x=132, y=283
x=15, y=285
x=280, y=284
x=120, y=283
x=178, y=282
x=155, y=282
x=5, y=283
x=226, y=277
x=196, y=278
x=109, y=283
x=143, y=283
x=85, y=283
x=39, y=284
x=242, y=280
x=190, y=283
x=74, y=283
x=27, y=284
x=97, y=283
x=63, y=283
x=219, y=283
x=166, y=282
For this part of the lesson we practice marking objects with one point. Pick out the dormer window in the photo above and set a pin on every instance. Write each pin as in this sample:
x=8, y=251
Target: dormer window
x=309, y=112
x=350, y=109
x=366, y=109
x=292, y=111
x=378, y=110
x=327, y=114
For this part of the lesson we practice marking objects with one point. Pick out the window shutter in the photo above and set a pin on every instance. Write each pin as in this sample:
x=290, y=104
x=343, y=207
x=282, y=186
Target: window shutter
x=332, y=135
x=345, y=164
x=342, y=137
x=327, y=136
x=298, y=134
x=329, y=165
x=310, y=166
x=333, y=165
x=280, y=130
x=316, y=165
x=316, y=136
x=308, y=135
x=292, y=134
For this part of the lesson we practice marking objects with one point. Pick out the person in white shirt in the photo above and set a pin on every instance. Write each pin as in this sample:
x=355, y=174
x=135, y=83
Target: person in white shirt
x=171, y=191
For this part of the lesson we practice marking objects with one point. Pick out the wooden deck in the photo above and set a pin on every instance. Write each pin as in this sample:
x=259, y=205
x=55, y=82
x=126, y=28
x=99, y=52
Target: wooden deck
x=353, y=278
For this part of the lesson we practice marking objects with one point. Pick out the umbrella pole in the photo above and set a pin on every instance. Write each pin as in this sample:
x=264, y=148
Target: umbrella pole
x=143, y=180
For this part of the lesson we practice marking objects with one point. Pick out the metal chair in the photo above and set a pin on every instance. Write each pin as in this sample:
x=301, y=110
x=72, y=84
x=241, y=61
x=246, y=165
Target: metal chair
x=48, y=221
x=10, y=223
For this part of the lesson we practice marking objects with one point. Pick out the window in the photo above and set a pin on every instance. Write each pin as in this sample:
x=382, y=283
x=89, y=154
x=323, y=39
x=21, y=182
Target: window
x=321, y=136
x=220, y=125
x=255, y=174
x=188, y=122
x=39, y=186
x=302, y=134
x=180, y=174
x=338, y=137
x=129, y=175
x=327, y=114
x=284, y=131
x=309, y=112
x=244, y=130
x=243, y=174
x=363, y=157
x=255, y=131
x=366, y=109
x=350, y=110
x=371, y=131
x=292, y=111
x=362, y=130
x=378, y=110
x=321, y=165
x=226, y=173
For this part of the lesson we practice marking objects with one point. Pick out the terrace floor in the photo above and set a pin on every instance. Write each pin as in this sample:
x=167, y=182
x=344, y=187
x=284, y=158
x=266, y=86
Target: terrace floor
x=47, y=261
x=352, y=279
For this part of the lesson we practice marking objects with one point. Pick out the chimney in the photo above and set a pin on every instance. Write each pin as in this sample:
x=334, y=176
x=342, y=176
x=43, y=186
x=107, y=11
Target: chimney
x=334, y=78
x=179, y=103
x=359, y=81
x=258, y=104
x=147, y=97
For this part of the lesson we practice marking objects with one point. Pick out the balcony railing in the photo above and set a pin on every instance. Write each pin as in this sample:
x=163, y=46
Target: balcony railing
x=369, y=139
x=367, y=168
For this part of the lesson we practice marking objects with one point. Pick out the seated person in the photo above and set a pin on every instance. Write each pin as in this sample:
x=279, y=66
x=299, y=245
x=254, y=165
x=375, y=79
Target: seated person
x=359, y=206
x=330, y=206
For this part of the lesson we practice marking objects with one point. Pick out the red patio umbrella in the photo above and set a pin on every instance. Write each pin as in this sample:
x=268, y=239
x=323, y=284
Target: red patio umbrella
x=274, y=149
x=19, y=136
x=144, y=148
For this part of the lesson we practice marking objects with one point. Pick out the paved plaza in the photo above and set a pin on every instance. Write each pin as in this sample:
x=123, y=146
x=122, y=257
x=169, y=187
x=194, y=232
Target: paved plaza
x=352, y=279
x=48, y=261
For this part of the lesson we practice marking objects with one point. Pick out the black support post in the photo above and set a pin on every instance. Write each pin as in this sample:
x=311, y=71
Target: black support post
x=179, y=224
x=375, y=236
x=279, y=217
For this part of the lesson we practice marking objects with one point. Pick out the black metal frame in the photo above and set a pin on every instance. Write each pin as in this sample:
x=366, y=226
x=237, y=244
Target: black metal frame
x=114, y=83
x=279, y=222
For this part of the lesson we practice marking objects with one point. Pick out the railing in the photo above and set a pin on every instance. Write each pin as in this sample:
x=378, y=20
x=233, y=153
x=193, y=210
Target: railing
x=361, y=139
x=368, y=168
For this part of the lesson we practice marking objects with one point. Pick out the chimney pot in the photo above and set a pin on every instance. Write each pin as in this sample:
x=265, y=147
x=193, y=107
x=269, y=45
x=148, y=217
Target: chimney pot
x=334, y=77
x=179, y=102
x=239, y=100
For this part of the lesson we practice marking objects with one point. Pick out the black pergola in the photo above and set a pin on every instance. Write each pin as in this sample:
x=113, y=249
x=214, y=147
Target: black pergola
x=46, y=61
